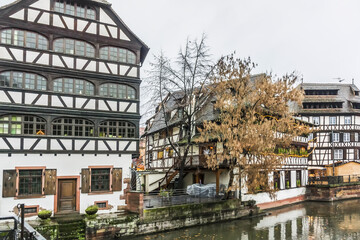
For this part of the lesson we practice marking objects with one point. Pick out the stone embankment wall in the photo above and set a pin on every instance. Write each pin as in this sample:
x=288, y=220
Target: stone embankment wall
x=332, y=192
x=166, y=218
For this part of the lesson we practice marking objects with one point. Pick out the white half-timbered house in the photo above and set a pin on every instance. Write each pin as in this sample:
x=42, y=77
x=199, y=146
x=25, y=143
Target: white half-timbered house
x=69, y=105
x=335, y=109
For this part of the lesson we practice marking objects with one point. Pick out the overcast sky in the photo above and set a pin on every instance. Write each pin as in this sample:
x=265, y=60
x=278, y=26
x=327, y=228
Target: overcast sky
x=318, y=39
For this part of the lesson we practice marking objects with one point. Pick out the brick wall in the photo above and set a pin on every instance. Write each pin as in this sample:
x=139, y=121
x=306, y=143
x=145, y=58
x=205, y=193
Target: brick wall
x=135, y=202
x=327, y=193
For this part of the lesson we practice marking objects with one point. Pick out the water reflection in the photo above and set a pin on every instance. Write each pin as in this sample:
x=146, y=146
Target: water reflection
x=310, y=220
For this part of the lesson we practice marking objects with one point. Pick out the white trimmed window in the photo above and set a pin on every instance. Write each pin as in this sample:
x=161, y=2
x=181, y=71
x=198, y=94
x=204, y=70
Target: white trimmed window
x=347, y=119
x=356, y=137
x=316, y=120
x=332, y=120
x=346, y=137
x=338, y=154
x=336, y=137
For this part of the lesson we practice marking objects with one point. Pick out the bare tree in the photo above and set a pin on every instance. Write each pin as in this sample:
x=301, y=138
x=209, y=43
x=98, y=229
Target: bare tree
x=183, y=82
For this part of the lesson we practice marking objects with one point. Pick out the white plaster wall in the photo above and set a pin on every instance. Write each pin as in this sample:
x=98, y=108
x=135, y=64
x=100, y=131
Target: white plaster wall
x=280, y=195
x=66, y=166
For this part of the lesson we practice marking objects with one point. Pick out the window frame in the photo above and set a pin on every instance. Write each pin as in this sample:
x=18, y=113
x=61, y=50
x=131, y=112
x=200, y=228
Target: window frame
x=109, y=87
x=56, y=47
x=110, y=129
x=338, y=154
x=337, y=138
x=331, y=122
x=76, y=6
x=110, y=179
x=85, y=84
x=37, y=81
x=346, y=120
x=105, y=53
x=10, y=122
x=66, y=127
x=24, y=39
x=18, y=169
x=347, y=138
x=317, y=121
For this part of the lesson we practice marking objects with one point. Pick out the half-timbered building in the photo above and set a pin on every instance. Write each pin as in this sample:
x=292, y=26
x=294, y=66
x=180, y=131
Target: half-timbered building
x=335, y=109
x=162, y=162
x=69, y=105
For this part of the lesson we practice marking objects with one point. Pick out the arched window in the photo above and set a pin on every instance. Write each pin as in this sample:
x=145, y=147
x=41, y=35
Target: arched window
x=70, y=85
x=24, y=39
x=117, y=129
x=74, y=9
x=117, y=54
x=22, y=124
x=22, y=80
x=74, y=47
x=117, y=91
x=73, y=127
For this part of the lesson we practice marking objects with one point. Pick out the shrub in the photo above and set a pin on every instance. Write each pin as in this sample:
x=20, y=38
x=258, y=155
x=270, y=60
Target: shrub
x=44, y=214
x=92, y=210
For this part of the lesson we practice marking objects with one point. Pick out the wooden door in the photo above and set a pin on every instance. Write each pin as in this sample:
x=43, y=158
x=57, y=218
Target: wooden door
x=67, y=195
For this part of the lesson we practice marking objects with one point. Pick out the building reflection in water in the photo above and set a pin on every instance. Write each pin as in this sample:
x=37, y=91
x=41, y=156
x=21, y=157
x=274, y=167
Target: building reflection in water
x=309, y=220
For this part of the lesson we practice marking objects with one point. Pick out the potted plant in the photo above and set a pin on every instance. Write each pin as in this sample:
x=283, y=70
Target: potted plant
x=44, y=214
x=252, y=202
x=92, y=210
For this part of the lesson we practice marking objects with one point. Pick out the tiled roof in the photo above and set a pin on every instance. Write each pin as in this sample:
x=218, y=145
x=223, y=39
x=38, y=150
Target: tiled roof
x=101, y=1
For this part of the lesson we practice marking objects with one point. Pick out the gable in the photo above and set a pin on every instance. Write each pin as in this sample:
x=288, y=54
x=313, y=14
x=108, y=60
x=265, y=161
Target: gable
x=109, y=24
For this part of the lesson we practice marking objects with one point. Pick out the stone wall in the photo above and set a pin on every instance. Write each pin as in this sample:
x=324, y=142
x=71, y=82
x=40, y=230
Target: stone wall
x=135, y=202
x=164, y=219
x=332, y=192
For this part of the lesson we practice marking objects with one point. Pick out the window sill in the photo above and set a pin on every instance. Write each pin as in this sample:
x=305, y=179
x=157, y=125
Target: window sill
x=101, y=192
x=30, y=197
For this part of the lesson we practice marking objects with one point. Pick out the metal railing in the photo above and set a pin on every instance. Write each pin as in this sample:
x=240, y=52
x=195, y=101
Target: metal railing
x=15, y=228
x=330, y=180
x=176, y=197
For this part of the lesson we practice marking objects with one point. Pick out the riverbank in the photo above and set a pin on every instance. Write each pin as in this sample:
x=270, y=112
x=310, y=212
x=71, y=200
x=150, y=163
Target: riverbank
x=113, y=226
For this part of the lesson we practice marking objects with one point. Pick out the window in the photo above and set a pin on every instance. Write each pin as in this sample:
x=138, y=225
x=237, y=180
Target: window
x=276, y=180
x=160, y=154
x=119, y=129
x=346, y=137
x=117, y=91
x=100, y=179
x=332, y=120
x=102, y=205
x=73, y=127
x=74, y=9
x=347, y=120
x=356, y=137
x=316, y=120
x=22, y=80
x=298, y=178
x=323, y=105
x=74, y=47
x=28, y=125
x=31, y=210
x=70, y=85
x=336, y=137
x=117, y=54
x=30, y=182
x=23, y=39
x=338, y=154
x=287, y=179
x=321, y=92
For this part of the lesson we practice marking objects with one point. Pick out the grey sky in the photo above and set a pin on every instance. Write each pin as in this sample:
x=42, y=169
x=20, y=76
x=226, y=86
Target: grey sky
x=319, y=39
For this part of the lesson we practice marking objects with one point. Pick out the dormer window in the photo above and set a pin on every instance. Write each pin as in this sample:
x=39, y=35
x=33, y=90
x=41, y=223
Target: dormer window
x=322, y=92
x=74, y=10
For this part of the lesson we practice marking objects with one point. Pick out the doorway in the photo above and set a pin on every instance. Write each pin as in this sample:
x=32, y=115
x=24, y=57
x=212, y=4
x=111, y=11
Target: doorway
x=67, y=195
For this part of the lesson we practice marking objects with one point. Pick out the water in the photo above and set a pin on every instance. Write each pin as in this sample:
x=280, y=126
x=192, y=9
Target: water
x=309, y=220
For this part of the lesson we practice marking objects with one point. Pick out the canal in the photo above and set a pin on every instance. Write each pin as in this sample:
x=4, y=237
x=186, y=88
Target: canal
x=309, y=220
